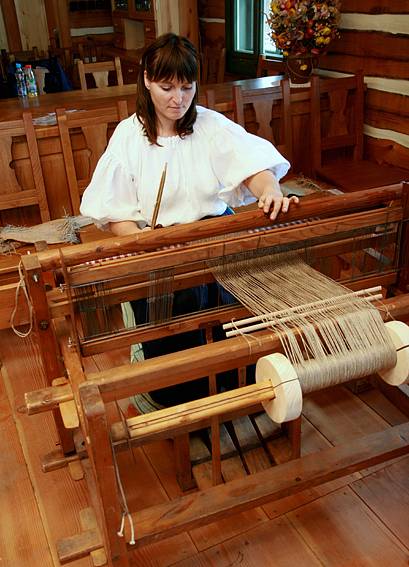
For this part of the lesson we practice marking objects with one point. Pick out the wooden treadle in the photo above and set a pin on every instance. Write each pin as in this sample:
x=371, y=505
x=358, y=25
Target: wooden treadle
x=79, y=545
x=209, y=505
x=249, y=432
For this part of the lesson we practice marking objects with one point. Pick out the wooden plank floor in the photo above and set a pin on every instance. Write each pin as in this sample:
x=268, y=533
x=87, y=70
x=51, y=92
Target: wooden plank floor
x=358, y=520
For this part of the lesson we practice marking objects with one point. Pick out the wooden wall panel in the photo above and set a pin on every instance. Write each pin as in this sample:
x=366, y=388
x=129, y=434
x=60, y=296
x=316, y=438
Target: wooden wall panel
x=371, y=66
x=387, y=120
x=3, y=33
x=372, y=44
x=387, y=151
x=384, y=58
x=212, y=33
x=381, y=100
x=11, y=25
x=33, y=24
x=212, y=23
x=178, y=17
x=211, y=9
x=376, y=6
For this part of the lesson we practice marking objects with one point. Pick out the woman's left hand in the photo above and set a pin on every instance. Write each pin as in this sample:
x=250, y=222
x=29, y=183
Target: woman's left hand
x=266, y=188
x=272, y=198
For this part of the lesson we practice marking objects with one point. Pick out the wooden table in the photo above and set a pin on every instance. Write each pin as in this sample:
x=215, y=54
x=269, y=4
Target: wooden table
x=12, y=108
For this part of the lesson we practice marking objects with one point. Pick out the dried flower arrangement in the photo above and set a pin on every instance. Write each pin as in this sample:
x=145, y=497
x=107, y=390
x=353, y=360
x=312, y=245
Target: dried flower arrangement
x=300, y=27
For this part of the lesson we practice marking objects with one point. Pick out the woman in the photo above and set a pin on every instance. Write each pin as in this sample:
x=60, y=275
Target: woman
x=212, y=164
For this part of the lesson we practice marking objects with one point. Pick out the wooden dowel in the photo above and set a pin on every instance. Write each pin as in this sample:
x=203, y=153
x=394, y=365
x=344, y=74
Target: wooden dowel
x=184, y=415
x=47, y=399
x=215, y=426
x=159, y=197
x=313, y=304
x=269, y=323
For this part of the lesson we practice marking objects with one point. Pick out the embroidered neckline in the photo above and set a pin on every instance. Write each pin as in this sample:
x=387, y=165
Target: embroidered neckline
x=169, y=141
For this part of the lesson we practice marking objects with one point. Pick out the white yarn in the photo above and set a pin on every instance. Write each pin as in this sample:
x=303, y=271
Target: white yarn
x=337, y=342
x=21, y=286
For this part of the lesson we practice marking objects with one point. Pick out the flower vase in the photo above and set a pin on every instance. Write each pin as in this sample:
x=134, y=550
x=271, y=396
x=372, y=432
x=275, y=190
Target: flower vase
x=299, y=69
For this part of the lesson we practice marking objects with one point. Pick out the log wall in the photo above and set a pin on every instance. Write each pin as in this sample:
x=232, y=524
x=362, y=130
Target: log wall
x=374, y=36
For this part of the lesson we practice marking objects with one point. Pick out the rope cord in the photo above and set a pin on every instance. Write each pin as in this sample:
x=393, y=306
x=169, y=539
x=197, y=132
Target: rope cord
x=21, y=286
x=124, y=503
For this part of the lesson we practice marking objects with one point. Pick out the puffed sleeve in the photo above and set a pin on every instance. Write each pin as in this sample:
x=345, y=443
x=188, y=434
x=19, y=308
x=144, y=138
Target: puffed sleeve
x=236, y=155
x=112, y=194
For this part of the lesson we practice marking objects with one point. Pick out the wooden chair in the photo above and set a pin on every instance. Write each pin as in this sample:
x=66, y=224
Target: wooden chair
x=268, y=67
x=100, y=72
x=81, y=157
x=224, y=107
x=257, y=110
x=213, y=65
x=27, y=55
x=337, y=137
x=21, y=187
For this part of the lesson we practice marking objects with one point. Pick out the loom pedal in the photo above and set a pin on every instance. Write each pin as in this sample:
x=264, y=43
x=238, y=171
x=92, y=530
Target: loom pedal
x=68, y=409
x=261, y=443
x=88, y=521
x=75, y=470
x=231, y=465
x=57, y=460
x=81, y=545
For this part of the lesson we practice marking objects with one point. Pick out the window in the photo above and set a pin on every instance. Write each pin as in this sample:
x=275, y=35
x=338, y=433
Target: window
x=247, y=35
x=268, y=46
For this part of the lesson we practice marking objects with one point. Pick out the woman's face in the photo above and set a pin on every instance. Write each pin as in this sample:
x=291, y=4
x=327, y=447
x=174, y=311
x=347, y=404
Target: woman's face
x=171, y=98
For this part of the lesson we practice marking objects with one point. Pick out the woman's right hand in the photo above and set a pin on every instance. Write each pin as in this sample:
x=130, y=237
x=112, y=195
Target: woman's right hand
x=123, y=228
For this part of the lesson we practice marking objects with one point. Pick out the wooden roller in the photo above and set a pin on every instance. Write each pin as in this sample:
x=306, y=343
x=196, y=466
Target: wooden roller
x=287, y=402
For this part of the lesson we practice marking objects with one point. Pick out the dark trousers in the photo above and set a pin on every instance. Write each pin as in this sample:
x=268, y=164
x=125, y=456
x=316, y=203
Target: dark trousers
x=184, y=302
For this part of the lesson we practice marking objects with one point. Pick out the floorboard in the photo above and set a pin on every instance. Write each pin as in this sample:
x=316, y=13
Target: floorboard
x=273, y=544
x=341, y=531
x=363, y=516
x=22, y=537
x=386, y=493
x=56, y=491
x=312, y=441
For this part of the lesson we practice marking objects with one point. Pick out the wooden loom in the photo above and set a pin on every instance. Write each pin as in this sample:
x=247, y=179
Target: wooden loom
x=368, y=227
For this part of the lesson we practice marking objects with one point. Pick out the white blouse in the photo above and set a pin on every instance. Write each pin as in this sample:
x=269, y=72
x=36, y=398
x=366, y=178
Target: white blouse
x=205, y=172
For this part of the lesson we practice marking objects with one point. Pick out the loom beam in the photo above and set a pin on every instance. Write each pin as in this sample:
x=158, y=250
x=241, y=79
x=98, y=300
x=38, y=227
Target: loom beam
x=153, y=240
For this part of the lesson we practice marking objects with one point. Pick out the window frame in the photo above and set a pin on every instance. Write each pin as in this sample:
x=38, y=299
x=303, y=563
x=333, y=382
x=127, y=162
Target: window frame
x=237, y=62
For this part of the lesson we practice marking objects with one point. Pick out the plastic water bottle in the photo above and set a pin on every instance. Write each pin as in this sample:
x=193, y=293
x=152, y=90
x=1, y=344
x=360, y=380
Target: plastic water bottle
x=30, y=81
x=21, y=81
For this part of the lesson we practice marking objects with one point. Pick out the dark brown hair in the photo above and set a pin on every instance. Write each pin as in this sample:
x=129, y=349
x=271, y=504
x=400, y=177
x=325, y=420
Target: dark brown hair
x=169, y=56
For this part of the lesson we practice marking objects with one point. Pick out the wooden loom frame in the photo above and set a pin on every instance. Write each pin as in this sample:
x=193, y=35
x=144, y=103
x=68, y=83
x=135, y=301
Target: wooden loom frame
x=91, y=392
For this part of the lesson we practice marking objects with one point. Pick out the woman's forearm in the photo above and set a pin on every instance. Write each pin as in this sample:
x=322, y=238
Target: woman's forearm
x=261, y=181
x=122, y=228
x=265, y=186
